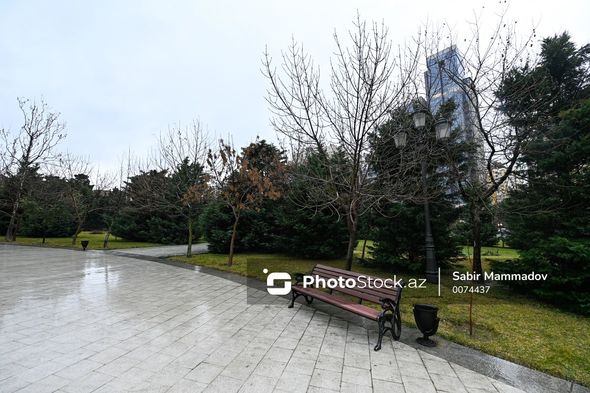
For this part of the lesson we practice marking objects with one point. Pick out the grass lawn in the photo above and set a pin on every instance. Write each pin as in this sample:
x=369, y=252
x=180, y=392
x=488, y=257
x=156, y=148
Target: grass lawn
x=95, y=241
x=506, y=325
x=488, y=254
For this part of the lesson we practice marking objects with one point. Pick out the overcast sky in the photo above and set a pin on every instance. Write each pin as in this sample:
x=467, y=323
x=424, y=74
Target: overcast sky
x=121, y=71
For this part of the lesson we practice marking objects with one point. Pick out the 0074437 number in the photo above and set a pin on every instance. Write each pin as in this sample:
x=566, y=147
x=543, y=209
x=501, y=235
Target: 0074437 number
x=471, y=288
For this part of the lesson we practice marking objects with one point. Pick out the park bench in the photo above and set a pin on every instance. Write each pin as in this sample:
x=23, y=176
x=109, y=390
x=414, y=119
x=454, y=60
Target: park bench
x=388, y=318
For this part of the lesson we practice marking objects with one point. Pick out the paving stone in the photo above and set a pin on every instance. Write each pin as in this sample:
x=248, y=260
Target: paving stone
x=325, y=362
x=187, y=386
x=258, y=384
x=387, y=387
x=117, y=366
x=46, y=385
x=280, y=354
x=326, y=379
x=472, y=379
x=409, y=369
x=447, y=383
x=408, y=356
x=87, y=383
x=13, y=384
x=223, y=384
x=315, y=389
x=286, y=342
x=388, y=373
x=270, y=368
x=418, y=385
x=356, y=376
x=440, y=367
x=306, y=351
x=204, y=373
x=130, y=379
x=347, y=387
x=300, y=366
x=78, y=369
x=11, y=369
x=357, y=360
x=293, y=382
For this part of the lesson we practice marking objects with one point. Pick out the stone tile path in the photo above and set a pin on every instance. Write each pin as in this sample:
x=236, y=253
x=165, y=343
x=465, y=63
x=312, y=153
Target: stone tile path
x=80, y=322
x=163, y=251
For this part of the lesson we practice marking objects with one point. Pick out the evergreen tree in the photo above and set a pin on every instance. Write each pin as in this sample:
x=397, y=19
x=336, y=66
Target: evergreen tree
x=548, y=215
x=552, y=198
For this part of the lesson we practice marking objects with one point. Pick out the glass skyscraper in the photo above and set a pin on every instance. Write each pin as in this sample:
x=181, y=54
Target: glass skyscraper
x=445, y=80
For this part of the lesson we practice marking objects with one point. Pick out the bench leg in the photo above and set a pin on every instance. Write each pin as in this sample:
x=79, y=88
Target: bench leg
x=394, y=327
x=294, y=295
x=381, y=323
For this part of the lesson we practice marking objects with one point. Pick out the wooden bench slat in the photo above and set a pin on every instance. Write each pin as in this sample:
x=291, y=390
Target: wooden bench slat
x=367, y=293
x=329, y=274
x=345, y=304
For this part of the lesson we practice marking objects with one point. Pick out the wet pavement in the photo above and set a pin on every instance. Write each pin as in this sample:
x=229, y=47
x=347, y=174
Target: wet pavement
x=94, y=321
x=163, y=251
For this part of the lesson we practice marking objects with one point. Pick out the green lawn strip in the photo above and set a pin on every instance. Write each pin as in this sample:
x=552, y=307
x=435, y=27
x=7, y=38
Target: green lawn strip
x=506, y=325
x=95, y=242
x=492, y=253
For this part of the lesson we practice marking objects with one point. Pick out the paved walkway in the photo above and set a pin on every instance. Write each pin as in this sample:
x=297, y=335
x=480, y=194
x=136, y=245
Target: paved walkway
x=163, y=251
x=95, y=322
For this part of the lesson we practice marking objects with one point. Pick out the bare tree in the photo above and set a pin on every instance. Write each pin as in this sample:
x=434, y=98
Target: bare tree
x=117, y=197
x=243, y=181
x=486, y=58
x=182, y=153
x=25, y=152
x=333, y=126
x=83, y=196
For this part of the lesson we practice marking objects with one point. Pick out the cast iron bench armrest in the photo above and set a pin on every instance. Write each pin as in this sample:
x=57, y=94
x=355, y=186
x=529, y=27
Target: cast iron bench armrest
x=299, y=277
x=388, y=304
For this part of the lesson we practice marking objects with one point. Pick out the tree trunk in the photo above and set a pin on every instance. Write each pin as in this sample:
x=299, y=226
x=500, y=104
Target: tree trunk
x=352, y=226
x=11, y=229
x=107, y=235
x=471, y=314
x=233, y=240
x=189, y=248
x=75, y=236
x=364, y=248
x=476, y=234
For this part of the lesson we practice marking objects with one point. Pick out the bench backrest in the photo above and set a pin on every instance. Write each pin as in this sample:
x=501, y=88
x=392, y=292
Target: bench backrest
x=369, y=293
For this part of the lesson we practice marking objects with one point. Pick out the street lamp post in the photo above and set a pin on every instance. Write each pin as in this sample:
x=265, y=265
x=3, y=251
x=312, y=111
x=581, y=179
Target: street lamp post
x=431, y=265
x=441, y=127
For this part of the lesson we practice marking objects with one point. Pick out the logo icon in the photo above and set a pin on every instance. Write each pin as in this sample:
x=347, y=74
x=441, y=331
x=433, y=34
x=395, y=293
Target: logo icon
x=278, y=276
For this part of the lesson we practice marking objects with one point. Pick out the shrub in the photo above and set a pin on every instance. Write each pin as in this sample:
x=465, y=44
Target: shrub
x=308, y=234
x=399, y=236
x=46, y=221
x=215, y=222
x=566, y=264
x=278, y=226
x=136, y=225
